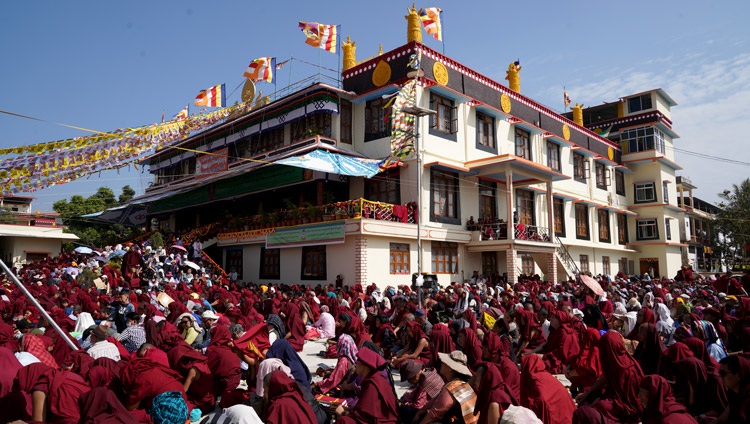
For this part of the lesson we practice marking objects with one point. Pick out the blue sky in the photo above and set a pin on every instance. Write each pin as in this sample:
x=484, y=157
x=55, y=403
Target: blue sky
x=108, y=65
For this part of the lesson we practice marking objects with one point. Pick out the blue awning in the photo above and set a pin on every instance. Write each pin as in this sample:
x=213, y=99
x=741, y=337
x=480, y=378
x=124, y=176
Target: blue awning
x=335, y=163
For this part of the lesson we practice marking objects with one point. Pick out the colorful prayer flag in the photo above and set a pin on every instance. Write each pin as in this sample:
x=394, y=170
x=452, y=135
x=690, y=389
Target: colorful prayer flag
x=183, y=114
x=320, y=35
x=212, y=97
x=261, y=69
x=430, y=18
x=402, y=123
x=566, y=98
x=281, y=64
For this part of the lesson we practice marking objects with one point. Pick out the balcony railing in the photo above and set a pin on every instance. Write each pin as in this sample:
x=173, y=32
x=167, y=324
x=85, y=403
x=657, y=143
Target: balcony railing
x=498, y=230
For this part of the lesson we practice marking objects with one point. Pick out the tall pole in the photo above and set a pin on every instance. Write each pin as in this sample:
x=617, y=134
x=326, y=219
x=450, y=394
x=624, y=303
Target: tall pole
x=44, y=313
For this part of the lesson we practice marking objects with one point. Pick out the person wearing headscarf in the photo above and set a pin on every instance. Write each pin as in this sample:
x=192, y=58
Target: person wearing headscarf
x=198, y=382
x=189, y=328
x=621, y=375
x=543, y=393
x=735, y=372
x=286, y=404
x=494, y=351
x=530, y=330
x=562, y=345
x=693, y=389
x=440, y=336
x=471, y=346
x=357, y=330
x=659, y=406
x=493, y=395
x=295, y=326
x=705, y=330
x=34, y=345
x=650, y=350
x=347, y=351
x=283, y=350
x=101, y=406
x=586, y=367
x=665, y=324
x=143, y=379
x=223, y=362
x=13, y=402
x=325, y=324
x=54, y=393
x=276, y=329
x=377, y=401
x=168, y=408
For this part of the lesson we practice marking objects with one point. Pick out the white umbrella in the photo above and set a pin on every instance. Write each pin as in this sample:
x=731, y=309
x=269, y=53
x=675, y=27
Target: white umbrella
x=84, y=250
x=191, y=264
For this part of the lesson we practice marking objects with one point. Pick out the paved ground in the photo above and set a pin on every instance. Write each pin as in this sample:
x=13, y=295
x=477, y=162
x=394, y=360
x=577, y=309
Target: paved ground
x=311, y=356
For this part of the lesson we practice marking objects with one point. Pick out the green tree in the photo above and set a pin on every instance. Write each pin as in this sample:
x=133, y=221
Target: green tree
x=734, y=219
x=127, y=194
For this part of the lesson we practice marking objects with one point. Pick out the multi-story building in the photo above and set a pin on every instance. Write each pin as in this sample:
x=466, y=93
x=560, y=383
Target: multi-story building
x=508, y=185
x=696, y=229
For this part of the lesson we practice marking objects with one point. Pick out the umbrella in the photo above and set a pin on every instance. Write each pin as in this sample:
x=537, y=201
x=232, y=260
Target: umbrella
x=178, y=247
x=117, y=253
x=191, y=264
x=83, y=250
x=592, y=284
x=100, y=258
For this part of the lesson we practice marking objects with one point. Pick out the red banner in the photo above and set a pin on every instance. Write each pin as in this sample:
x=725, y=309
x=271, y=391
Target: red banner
x=212, y=163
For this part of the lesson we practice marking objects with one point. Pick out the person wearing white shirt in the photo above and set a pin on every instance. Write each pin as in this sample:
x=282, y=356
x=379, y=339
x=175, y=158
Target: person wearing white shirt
x=100, y=347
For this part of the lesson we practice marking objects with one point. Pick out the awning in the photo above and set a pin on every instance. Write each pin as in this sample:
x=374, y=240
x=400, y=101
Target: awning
x=131, y=215
x=334, y=163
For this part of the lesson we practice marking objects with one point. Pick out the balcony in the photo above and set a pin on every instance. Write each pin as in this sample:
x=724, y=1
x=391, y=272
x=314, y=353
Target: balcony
x=498, y=230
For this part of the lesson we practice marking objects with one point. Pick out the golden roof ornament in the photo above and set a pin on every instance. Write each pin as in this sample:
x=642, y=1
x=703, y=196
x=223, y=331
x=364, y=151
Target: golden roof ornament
x=513, y=76
x=578, y=113
x=349, y=48
x=413, y=25
x=380, y=50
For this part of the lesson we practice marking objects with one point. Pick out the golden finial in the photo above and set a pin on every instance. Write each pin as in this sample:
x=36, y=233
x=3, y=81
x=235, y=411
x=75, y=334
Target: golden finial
x=413, y=27
x=513, y=76
x=578, y=113
x=380, y=50
x=349, y=48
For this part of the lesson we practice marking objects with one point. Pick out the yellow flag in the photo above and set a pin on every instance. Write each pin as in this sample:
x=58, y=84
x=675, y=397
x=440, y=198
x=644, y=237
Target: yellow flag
x=489, y=320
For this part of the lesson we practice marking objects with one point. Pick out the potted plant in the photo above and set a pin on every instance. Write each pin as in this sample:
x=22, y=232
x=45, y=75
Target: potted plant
x=341, y=212
x=357, y=210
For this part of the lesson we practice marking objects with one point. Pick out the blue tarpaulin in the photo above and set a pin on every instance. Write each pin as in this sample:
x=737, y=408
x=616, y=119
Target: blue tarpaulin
x=334, y=163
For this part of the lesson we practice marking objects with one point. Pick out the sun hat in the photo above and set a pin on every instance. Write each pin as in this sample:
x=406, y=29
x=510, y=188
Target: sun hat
x=456, y=361
x=410, y=369
x=210, y=315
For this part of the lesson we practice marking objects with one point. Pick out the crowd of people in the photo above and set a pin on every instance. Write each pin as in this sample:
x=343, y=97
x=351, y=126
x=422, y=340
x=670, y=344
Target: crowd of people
x=157, y=335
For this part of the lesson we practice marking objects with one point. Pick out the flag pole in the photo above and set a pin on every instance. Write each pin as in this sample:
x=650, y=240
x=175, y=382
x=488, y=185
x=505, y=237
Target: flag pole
x=442, y=33
x=289, y=81
x=338, y=49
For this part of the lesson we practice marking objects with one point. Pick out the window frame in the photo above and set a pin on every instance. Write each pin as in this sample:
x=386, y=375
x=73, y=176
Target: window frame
x=603, y=179
x=384, y=187
x=665, y=191
x=487, y=195
x=377, y=120
x=449, y=183
x=582, y=221
x=346, y=122
x=266, y=270
x=583, y=262
x=622, y=229
x=486, y=131
x=489, y=263
x=581, y=168
x=312, y=253
x=606, y=265
x=668, y=229
x=605, y=235
x=444, y=256
x=619, y=182
x=525, y=206
x=647, y=229
x=443, y=105
x=400, y=254
x=641, y=104
x=642, y=139
x=644, y=187
x=527, y=264
x=553, y=156
x=522, y=141
x=559, y=218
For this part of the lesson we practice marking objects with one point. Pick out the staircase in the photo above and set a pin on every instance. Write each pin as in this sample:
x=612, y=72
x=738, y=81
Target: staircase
x=565, y=259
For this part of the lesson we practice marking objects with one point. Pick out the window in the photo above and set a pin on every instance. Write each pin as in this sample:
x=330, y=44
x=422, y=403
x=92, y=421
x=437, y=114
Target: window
x=584, y=261
x=603, y=225
x=400, y=258
x=637, y=104
x=620, y=183
x=641, y=139
x=525, y=207
x=314, y=263
x=345, y=131
x=489, y=263
x=646, y=229
x=267, y=141
x=487, y=200
x=444, y=121
x=622, y=229
x=444, y=197
x=553, y=155
x=645, y=192
x=444, y=257
x=384, y=187
x=233, y=261
x=523, y=144
x=558, y=206
x=580, y=167
x=602, y=177
x=665, y=190
x=270, y=263
x=527, y=264
x=311, y=125
x=605, y=265
x=668, y=233
x=485, y=132
x=582, y=221
x=377, y=120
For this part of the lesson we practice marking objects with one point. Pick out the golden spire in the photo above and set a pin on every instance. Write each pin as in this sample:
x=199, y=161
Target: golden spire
x=349, y=48
x=380, y=50
x=578, y=113
x=413, y=27
x=514, y=77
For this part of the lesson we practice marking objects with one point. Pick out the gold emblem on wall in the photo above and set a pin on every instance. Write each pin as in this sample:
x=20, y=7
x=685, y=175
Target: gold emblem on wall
x=566, y=132
x=610, y=153
x=382, y=74
x=505, y=103
x=441, y=73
